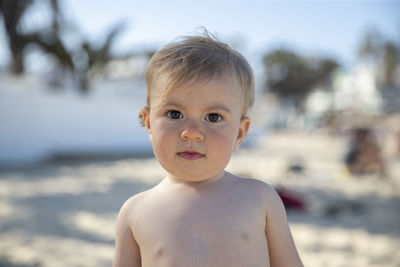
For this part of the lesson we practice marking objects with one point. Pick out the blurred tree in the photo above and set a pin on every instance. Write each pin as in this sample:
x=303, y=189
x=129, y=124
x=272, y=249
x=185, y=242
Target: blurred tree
x=50, y=40
x=96, y=57
x=370, y=46
x=391, y=61
x=293, y=77
x=84, y=61
x=384, y=55
x=12, y=12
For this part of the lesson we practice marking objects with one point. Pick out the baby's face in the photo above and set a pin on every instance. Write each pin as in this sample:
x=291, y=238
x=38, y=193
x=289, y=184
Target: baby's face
x=196, y=127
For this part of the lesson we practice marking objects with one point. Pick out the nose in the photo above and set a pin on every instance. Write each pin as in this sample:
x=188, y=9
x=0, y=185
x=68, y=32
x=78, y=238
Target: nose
x=192, y=132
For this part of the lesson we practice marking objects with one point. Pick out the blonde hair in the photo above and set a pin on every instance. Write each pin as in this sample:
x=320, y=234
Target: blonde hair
x=199, y=58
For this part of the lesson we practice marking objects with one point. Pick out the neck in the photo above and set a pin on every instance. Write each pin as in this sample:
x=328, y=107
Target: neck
x=197, y=183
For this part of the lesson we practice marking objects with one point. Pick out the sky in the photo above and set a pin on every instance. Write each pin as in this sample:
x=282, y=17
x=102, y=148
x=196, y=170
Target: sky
x=328, y=28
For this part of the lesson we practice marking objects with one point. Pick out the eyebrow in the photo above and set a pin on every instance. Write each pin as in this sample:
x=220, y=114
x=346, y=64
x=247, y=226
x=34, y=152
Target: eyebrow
x=171, y=103
x=213, y=106
x=218, y=106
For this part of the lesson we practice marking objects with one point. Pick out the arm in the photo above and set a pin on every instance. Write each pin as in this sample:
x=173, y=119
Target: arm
x=127, y=252
x=281, y=247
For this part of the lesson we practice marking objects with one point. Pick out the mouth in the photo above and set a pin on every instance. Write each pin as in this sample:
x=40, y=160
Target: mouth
x=190, y=155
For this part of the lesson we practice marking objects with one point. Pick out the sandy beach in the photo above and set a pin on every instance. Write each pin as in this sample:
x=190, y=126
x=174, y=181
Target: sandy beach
x=63, y=213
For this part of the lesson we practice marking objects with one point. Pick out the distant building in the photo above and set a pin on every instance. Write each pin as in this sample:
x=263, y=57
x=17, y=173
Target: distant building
x=357, y=91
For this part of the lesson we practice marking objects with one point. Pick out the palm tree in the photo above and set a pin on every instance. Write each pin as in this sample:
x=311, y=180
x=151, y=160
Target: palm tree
x=291, y=76
x=12, y=12
x=385, y=57
x=92, y=57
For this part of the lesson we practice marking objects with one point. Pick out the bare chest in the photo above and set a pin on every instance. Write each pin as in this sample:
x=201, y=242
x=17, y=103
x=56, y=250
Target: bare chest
x=203, y=233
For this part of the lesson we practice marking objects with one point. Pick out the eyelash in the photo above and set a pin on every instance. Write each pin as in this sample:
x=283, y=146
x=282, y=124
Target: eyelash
x=172, y=115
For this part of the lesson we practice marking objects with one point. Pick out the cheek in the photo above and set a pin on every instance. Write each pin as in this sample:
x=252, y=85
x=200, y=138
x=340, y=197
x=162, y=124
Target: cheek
x=225, y=139
x=162, y=136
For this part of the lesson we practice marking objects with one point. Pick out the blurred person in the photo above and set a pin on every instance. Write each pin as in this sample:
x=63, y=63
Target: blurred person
x=398, y=144
x=199, y=93
x=364, y=155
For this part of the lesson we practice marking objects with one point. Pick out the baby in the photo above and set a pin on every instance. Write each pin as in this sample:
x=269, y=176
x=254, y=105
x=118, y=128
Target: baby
x=199, y=92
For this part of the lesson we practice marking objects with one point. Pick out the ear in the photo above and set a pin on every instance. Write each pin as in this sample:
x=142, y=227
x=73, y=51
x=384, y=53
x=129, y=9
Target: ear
x=242, y=133
x=144, y=116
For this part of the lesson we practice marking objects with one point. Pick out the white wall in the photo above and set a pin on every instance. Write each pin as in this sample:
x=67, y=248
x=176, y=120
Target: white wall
x=36, y=121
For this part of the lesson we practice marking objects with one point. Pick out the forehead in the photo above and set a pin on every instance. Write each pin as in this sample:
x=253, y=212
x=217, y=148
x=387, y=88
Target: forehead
x=226, y=85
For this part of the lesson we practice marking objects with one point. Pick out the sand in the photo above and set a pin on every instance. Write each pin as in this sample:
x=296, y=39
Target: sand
x=63, y=213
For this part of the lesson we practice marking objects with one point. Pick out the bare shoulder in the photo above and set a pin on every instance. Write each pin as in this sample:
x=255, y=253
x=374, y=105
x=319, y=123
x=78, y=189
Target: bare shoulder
x=252, y=182
x=127, y=252
x=258, y=187
x=282, y=249
x=263, y=193
x=134, y=204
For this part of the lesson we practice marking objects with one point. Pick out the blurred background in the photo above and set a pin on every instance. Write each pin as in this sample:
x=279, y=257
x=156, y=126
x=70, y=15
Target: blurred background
x=325, y=132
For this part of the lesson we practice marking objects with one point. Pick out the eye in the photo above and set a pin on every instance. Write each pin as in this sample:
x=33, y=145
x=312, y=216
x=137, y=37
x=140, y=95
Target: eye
x=174, y=114
x=213, y=117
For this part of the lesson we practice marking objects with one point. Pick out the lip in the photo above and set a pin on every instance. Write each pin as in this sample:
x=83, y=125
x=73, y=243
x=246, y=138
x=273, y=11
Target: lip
x=190, y=155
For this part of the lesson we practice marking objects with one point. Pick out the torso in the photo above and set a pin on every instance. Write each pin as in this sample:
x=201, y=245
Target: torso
x=181, y=225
